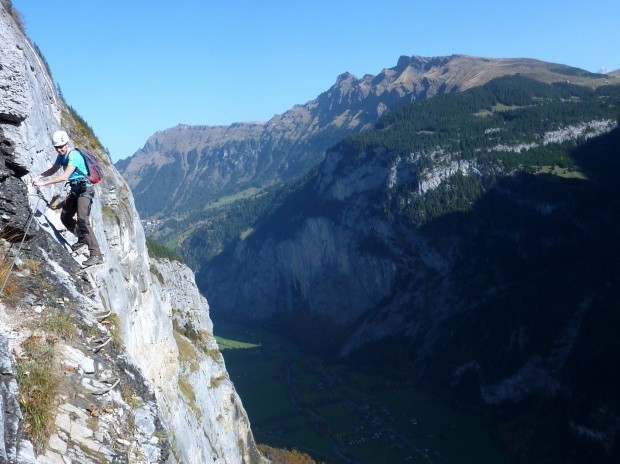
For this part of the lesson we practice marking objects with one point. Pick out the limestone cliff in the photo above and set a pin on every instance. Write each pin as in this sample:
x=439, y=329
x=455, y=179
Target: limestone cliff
x=141, y=376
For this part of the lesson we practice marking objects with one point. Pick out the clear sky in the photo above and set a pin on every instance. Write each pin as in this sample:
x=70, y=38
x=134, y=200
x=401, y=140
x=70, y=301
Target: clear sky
x=133, y=67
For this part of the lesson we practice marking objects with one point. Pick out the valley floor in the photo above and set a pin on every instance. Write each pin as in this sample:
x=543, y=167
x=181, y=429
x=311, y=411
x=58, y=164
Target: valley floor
x=338, y=415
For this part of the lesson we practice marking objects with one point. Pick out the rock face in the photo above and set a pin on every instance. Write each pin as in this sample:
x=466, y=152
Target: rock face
x=140, y=386
x=183, y=168
x=339, y=265
x=345, y=265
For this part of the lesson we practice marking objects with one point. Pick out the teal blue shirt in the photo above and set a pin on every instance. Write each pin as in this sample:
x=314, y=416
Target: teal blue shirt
x=75, y=159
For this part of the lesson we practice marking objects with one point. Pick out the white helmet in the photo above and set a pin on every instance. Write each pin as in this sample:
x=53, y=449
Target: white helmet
x=60, y=138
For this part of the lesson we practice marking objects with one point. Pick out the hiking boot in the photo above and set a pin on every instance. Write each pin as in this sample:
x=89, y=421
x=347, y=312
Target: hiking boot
x=77, y=245
x=94, y=259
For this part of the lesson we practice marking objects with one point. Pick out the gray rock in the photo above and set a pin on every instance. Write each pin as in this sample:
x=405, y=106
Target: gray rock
x=149, y=362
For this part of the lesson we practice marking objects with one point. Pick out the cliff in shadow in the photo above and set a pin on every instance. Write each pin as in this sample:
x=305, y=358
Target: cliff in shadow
x=467, y=243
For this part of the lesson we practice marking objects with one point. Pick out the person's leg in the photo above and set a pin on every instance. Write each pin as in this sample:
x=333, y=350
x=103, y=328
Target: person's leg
x=84, y=203
x=68, y=212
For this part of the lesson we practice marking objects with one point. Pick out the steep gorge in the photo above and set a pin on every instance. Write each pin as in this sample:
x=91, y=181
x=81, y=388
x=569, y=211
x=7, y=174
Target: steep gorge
x=473, y=253
x=467, y=244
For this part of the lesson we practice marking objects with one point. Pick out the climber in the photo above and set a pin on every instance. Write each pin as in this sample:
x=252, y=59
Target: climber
x=80, y=198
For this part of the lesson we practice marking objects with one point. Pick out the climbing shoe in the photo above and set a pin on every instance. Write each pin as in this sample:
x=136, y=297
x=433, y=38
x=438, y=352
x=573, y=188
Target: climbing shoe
x=77, y=245
x=94, y=259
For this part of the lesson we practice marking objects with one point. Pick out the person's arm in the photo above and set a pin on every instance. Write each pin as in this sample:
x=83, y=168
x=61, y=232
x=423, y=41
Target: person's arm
x=38, y=182
x=50, y=171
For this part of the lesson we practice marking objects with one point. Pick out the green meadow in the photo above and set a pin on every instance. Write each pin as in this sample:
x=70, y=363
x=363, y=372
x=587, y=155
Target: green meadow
x=337, y=415
x=562, y=172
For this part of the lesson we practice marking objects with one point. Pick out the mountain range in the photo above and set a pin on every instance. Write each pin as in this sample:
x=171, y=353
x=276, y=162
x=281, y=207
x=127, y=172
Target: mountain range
x=186, y=168
x=451, y=221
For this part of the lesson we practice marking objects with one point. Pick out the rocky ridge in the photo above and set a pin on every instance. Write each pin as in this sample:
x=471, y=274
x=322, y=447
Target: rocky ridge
x=135, y=388
x=184, y=168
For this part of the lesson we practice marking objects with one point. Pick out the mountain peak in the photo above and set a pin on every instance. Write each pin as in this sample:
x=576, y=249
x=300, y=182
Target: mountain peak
x=345, y=77
x=422, y=63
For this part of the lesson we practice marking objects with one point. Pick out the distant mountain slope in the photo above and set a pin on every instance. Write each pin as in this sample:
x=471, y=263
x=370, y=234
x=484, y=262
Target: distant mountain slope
x=421, y=162
x=470, y=242
x=183, y=168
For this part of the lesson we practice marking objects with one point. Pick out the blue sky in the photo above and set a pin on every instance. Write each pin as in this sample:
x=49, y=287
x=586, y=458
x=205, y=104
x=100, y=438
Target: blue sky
x=131, y=68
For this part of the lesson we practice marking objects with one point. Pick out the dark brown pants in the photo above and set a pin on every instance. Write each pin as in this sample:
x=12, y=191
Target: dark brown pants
x=80, y=203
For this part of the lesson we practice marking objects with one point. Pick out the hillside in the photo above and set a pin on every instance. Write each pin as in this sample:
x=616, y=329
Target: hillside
x=468, y=242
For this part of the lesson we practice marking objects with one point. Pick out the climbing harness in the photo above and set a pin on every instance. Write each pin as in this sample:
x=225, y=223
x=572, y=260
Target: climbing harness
x=8, y=274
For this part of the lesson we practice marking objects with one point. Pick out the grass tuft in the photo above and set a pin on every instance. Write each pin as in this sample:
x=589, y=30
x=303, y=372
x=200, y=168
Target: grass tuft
x=130, y=396
x=114, y=326
x=59, y=324
x=33, y=266
x=12, y=289
x=285, y=456
x=38, y=375
x=190, y=395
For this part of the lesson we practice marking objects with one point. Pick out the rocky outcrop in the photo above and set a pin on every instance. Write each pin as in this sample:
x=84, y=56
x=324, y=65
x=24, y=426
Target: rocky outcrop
x=138, y=385
x=11, y=443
